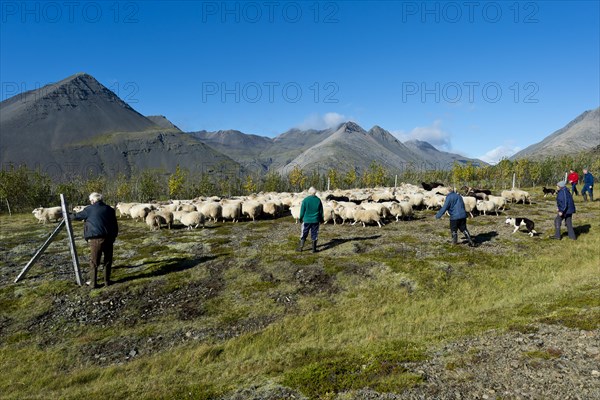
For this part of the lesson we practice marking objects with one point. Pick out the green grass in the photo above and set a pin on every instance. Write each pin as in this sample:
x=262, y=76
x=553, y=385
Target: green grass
x=233, y=306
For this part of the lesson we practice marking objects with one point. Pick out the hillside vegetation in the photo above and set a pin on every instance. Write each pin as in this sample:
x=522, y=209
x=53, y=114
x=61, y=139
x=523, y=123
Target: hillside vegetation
x=232, y=311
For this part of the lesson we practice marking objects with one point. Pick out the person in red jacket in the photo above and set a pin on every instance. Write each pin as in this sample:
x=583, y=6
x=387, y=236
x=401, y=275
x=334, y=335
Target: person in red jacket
x=573, y=178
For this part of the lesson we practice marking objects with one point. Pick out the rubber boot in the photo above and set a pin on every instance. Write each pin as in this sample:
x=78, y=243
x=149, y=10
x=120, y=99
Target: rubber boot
x=468, y=236
x=454, y=237
x=314, y=246
x=584, y=195
x=300, y=245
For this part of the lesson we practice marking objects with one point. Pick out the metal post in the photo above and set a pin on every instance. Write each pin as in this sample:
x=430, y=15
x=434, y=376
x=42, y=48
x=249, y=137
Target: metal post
x=328, y=183
x=514, y=179
x=71, y=238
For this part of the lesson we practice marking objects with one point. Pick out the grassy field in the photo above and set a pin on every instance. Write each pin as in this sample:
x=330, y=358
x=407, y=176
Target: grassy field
x=199, y=314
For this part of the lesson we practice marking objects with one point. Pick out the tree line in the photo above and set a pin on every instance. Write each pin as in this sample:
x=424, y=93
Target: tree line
x=22, y=189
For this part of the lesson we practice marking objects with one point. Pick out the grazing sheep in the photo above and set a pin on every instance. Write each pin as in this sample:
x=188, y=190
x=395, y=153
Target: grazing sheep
x=178, y=214
x=186, y=207
x=521, y=196
x=231, y=211
x=193, y=219
x=153, y=220
x=381, y=209
x=125, y=208
x=380, y=197
x=271, y=208
x=328, y=214
x=252, y=209
x=470, y=204
x=486, y=206
x=366, y=217
x=140, y=211
x=211, y=210
x=499, y=200
x=166, y=217
x=402, y=210
x=46, y=214
x=295, y=210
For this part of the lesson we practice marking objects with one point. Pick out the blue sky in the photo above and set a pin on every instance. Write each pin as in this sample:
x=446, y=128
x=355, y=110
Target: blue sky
x=482, y=78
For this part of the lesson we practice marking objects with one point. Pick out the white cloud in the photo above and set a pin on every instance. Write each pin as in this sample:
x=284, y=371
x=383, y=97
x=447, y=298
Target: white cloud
x=434, y=134
x=319, y=122
x=498, y=153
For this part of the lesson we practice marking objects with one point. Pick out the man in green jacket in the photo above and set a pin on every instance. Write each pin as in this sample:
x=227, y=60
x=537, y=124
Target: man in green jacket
x=311, y=214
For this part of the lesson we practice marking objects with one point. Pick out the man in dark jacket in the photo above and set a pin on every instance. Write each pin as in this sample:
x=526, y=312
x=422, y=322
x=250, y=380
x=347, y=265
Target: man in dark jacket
x=311, y=215
x=100, y=230
x=565, y=210
x=455, y=206
x=588, y=185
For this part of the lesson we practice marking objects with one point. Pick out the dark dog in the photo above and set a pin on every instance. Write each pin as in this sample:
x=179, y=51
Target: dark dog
x=519, y=222
x=548, y=191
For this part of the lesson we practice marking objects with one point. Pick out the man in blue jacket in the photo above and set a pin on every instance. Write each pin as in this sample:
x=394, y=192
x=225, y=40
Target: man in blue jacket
x=588, y=185
x=311, y=215
x=565, y=208
x=100, y=230
x=455, y=206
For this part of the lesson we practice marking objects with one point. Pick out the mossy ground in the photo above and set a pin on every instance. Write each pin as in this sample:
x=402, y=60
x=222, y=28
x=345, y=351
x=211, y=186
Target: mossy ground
x=196, y=314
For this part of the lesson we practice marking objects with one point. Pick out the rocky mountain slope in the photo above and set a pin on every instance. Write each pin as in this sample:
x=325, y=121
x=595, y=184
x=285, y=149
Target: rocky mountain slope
x=79, y=123
x=582, y=133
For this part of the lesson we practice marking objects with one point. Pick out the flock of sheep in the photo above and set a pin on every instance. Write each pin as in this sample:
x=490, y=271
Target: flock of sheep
x=362, y=206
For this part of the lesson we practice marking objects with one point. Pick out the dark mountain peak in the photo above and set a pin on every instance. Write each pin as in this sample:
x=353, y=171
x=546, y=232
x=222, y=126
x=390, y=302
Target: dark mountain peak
x=382, y=135
x=351, y=127
x=420, y=144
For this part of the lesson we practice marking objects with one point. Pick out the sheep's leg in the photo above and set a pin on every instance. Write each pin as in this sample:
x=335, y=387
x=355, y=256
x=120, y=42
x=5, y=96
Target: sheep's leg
x=378, y=223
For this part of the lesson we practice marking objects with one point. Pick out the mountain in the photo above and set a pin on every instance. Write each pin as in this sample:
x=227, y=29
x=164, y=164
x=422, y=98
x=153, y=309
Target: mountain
x=79, y=125
x=351, y=147
x=436, y=159
x=163, y=122
x=581, y=134
x=346, y=146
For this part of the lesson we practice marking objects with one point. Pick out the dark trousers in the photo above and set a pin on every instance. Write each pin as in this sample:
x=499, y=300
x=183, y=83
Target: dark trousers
x=99, y=246
x=313, y=227
x=568, y=222
x=458, y=224
x=574, y=188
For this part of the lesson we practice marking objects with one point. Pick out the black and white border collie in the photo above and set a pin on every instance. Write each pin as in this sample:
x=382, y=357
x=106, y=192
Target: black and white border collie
x=519, y=222
x=548, y=191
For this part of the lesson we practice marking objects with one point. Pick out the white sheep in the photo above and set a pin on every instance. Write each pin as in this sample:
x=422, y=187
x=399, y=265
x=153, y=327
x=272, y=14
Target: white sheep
x=295, y=210
x=499, y=200
x=366, y=217
x=46, y=214
x=486, y=206
x=328, y=214
x=153, y=220
x=521, y=195
x=231, y=211
x=211, y=210
x=381, y=209
x=125, y=208
x=140, y=211
x=271, y=208
x=186, y=207
x=470, y=204
x=193, y=219
x=252, y=209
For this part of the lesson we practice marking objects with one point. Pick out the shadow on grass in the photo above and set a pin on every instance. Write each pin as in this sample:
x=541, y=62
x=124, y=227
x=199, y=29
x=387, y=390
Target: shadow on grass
x=484, y=237
x=582, y=229
x=173, y=265
x=336, y=242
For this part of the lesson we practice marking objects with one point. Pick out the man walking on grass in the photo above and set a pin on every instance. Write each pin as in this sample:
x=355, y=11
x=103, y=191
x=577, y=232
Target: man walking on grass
x=455, y=206
x=565, y=210
x=311, y=215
